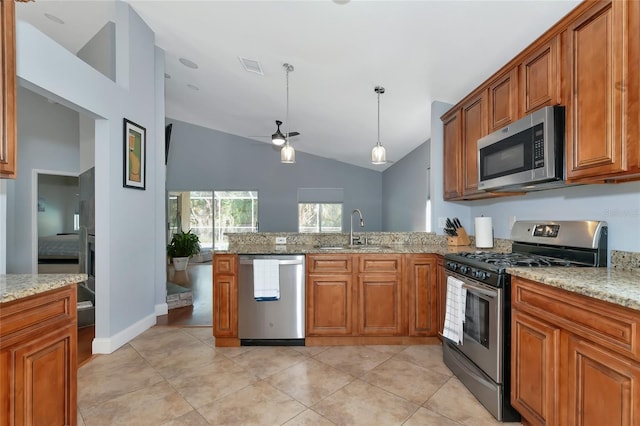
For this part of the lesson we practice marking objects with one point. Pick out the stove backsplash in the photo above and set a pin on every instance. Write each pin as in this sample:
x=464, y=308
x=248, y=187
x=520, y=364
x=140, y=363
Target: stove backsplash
x=625, y=260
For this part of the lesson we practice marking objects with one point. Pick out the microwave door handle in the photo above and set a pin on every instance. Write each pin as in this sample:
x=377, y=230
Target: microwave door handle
x=482, y=291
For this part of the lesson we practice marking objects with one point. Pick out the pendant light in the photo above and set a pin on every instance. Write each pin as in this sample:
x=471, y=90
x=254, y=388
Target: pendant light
x=378, y=153
x=287, y=153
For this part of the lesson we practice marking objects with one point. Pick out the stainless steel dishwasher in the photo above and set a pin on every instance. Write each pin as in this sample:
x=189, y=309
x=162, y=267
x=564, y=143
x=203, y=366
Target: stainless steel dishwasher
x=272, y=322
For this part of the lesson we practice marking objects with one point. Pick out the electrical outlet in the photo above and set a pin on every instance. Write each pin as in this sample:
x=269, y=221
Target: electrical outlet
x=281, y=240
x=442, y=222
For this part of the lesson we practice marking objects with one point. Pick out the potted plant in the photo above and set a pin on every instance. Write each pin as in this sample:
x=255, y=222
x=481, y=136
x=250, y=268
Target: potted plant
x=183, y=245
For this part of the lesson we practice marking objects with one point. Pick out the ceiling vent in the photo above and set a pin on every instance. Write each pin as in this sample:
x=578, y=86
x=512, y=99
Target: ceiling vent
x=251, y=65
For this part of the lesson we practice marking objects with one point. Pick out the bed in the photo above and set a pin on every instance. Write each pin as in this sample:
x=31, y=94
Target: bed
x=61, y=248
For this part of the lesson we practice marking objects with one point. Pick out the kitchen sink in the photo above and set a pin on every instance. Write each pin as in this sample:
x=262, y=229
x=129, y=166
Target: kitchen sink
x=365, y=247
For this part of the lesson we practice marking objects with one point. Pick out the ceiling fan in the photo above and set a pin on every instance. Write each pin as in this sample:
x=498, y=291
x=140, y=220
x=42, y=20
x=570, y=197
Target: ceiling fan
x=278, y=138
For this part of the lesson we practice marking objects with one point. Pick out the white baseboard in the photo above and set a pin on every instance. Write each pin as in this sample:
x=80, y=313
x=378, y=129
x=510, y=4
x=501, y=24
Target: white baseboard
x=162, y=309
x=110, y=344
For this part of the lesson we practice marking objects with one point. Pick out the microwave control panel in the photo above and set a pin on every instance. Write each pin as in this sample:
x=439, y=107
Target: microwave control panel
x=538, y=146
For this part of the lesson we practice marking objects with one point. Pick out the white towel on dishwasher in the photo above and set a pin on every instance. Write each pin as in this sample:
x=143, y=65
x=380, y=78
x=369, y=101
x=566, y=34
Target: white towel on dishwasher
x=266, y=279
x=455, y=309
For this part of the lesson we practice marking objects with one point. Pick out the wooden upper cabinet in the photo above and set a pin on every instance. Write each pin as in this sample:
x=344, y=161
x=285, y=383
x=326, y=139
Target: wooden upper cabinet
x=596, y=70
x=503, y=100
x=540, y=77
x=8, y=119
x=474, y=126
x=451, y=153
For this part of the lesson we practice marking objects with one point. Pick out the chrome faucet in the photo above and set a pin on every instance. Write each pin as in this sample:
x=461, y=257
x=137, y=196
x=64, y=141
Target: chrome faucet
x=351, y=238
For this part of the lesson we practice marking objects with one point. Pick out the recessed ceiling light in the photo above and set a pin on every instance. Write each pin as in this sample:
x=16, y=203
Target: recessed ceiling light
x=54, y=18
x=251, y=65
x=189, y=64
x=193, y=87
x=167, y=76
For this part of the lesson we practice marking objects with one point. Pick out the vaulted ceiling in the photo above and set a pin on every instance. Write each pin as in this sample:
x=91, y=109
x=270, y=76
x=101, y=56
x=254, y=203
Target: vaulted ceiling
x=420, y=51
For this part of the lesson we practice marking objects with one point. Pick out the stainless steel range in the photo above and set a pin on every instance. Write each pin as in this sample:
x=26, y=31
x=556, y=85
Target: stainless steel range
x=481, y=358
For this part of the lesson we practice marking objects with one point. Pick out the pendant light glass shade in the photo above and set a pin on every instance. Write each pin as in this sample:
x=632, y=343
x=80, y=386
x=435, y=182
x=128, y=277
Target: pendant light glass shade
x=287, y=154
x=378, y=153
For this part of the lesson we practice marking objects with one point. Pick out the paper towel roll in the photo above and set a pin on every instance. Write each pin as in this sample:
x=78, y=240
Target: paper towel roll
x=484, y=232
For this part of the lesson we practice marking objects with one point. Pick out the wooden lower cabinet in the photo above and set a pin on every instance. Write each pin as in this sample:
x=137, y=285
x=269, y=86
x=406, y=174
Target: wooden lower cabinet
x=575, y=360
x=370, y=298
x=535, y=371
x=225, y=298
x=380, y=295
x=38, y=359
x=422, y=294
x=386, y=296
x=329, y=305
x=380, y=305
x=602, y=388
x=442, y=294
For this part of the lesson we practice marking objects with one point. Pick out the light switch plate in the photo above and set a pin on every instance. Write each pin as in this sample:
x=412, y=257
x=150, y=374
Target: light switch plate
x=442, y=222
x=281, y=240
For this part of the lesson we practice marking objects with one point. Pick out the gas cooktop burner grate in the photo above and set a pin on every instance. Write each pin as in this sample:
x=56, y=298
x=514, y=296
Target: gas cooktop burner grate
x=516, y=259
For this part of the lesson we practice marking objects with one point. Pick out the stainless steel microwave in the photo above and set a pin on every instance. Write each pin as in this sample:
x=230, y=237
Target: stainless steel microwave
x=526, y=155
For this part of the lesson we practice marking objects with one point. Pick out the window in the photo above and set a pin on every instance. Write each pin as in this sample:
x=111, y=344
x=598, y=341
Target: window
x=320, y=217
x=209, y=214
x=235, y=211
x=192, y=211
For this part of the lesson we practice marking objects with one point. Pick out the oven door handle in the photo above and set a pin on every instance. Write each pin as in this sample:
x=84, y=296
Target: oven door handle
x=482, y=291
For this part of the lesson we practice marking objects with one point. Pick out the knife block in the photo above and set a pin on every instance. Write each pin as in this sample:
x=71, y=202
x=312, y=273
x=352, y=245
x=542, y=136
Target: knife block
x=462, y=239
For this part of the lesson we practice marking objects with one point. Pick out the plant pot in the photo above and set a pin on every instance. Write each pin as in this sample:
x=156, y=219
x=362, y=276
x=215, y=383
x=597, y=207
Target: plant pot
x=180, y=263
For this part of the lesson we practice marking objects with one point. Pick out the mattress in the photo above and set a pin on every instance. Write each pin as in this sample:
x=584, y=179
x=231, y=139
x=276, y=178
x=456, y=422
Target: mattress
x=59, y=247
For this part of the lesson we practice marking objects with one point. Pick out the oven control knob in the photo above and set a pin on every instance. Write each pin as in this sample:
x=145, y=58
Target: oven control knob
x=452, y=265
x=464, y=269
x=482, y=275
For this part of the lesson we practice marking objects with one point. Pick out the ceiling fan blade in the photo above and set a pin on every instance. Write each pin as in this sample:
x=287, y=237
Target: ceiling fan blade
x=294, y=134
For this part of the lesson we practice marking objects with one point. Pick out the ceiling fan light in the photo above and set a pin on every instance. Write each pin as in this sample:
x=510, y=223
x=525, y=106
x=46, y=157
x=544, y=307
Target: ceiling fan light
x=287, y=154
x=278, y=138
x=378, y=154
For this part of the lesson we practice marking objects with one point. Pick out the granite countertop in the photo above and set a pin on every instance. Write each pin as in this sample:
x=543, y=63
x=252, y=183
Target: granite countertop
x=17, y=286
x=314, y=249
x=609, y=284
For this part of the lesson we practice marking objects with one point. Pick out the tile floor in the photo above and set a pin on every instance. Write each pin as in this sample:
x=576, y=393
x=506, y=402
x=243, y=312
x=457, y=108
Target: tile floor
x=175, y=376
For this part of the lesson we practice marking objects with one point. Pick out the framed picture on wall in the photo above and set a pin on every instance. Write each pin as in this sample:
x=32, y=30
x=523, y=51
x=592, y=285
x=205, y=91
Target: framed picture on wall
x=135, y=155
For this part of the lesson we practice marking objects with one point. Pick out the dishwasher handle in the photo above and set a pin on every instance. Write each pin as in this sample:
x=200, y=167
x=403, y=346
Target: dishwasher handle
x=280, y=262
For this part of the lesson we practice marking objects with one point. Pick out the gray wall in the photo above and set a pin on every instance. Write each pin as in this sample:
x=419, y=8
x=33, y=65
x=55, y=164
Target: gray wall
x=405, y=191
x=205, y=159
x=100, y=51
x=47, y=140
x=618, y=204
x=130, y=272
